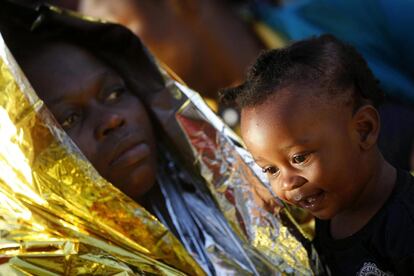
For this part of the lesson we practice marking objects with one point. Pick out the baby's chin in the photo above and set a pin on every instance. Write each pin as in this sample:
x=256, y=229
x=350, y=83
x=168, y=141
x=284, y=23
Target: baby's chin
x=323, y=215
x=317, y=207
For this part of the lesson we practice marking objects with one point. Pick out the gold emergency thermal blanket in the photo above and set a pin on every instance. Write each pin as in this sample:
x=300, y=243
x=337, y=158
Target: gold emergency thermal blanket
x=232, y=176
x=58, y=216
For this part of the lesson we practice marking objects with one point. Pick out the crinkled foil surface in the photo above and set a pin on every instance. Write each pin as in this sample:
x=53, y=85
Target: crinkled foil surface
x=232, y=177
x=57, y=215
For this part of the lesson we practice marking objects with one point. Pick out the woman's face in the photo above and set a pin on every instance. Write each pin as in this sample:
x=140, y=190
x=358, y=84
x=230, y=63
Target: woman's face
x=98, y=111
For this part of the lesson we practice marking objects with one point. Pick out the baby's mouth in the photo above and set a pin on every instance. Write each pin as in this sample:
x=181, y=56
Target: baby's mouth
x=311, y=202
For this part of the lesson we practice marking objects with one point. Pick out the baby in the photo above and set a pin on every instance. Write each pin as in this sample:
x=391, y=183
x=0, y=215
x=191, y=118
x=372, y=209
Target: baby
x=309, y=117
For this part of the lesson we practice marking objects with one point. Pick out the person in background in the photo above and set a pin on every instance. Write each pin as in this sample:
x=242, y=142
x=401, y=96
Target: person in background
x=204, y=42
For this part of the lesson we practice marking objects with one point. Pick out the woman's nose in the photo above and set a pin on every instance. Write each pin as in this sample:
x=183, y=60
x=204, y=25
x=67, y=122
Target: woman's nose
x=108, y=123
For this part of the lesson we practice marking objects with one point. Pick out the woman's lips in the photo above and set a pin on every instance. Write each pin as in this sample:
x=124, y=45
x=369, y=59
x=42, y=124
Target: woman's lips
x=132, y=155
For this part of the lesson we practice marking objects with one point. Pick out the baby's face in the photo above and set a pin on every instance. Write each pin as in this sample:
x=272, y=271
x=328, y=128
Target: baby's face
x=95, y=107
x=308, y=148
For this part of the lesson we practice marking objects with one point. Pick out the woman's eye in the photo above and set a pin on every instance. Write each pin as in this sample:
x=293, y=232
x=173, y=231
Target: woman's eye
x=70, y=121
x=270, y=170
x=298, y=159
x=114, y=95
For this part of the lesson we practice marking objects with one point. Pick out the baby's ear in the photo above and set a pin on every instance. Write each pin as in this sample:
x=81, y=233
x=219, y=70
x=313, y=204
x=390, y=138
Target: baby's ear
x=367, y=124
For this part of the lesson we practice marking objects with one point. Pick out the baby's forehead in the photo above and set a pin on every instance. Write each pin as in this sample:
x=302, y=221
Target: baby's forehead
x=316, y=97
x=295, y=110
x=291, y=116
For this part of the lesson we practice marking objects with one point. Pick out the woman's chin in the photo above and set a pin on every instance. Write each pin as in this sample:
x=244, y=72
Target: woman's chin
x=138, y=183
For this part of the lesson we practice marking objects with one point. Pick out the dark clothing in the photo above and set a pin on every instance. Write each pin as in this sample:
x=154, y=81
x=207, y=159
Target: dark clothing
x=384, y=246
x=186, y=208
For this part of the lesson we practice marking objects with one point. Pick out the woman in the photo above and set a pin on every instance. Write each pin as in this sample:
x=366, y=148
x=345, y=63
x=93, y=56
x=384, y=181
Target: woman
x=110, y=98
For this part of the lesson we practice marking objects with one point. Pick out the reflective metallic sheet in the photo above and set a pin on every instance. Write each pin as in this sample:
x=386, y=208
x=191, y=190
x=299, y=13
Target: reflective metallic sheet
x=232, y=177
x=57, y=215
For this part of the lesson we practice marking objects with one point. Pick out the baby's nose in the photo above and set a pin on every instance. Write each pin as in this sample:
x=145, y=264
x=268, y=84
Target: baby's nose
x=291, y=182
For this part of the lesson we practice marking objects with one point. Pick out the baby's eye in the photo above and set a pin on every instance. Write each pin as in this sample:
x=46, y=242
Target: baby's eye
x=300, y=158
x=70, y=121
x=270, y=170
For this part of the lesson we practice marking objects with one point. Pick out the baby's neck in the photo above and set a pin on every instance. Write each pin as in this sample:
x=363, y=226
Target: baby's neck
x=372, y=198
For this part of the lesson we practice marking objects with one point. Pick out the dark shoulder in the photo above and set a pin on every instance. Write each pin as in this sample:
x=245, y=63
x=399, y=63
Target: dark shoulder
x=402, y=201
x=399, y=226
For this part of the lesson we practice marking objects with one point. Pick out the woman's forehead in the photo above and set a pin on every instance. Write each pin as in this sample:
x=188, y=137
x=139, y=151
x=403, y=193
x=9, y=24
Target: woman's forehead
x=58, y=70
x=64, y=56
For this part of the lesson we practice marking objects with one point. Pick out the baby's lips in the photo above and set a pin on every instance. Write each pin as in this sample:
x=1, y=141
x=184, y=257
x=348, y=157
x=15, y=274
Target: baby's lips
x=293, y=197
x=298, y=196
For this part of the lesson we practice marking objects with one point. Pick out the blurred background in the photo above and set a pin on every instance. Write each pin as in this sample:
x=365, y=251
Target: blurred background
x=209, y=44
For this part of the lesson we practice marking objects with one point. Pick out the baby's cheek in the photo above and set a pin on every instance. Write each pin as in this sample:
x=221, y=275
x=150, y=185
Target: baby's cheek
x=276, y=188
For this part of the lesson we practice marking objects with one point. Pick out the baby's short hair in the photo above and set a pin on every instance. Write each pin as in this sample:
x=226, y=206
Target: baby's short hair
x=324, y=61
